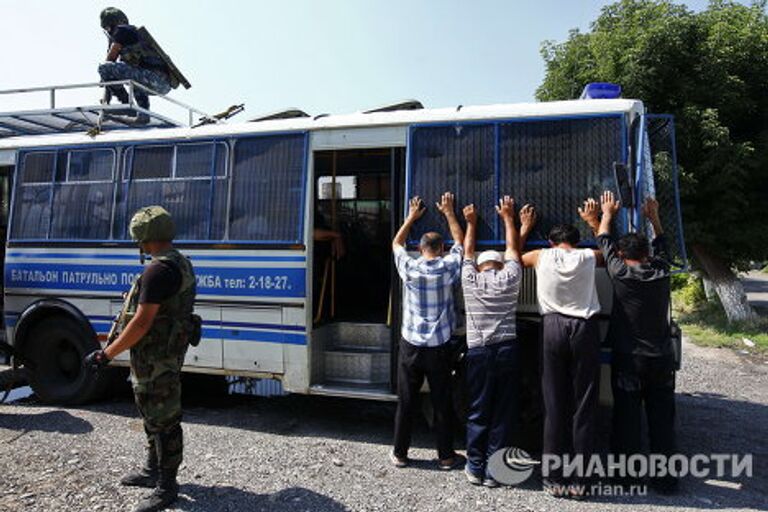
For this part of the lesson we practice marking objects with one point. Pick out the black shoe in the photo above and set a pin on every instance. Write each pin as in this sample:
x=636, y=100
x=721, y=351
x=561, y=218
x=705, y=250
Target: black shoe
x=160, y=499
x=166, y=492
x=141, y=478
x=149, y=474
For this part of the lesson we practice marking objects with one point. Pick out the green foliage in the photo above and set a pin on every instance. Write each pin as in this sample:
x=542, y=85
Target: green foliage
x=688, y=291
x=710, y=70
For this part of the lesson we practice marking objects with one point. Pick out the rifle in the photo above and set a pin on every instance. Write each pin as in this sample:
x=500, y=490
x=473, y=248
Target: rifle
x=232, y=111
x=114, y=332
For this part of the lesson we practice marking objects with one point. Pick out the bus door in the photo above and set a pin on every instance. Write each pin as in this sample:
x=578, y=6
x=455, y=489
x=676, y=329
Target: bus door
x=354, y=300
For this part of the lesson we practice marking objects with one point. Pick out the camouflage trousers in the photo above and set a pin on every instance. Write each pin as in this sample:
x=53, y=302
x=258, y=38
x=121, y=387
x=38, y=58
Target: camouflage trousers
x=156, y=377
x=113, y=71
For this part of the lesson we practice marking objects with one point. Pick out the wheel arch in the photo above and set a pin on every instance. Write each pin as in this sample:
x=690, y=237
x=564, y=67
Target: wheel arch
x=46, y=308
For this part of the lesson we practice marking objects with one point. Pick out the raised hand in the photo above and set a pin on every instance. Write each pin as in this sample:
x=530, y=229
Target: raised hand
x=470, y=214
x=446, y=205
x=527, y=218
x=651, y=208
x=415, y=208
x=590, y=212
x=609, y=204
x=506, y=207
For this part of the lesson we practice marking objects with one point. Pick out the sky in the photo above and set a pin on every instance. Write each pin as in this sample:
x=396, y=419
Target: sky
x=323, y=56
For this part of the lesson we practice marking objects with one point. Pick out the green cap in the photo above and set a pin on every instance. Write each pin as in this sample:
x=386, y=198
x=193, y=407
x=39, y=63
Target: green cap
x=152, y=224
x=112, y=16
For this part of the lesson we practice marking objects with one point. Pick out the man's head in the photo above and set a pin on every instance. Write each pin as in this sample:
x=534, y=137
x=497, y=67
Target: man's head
x=564, y=234
x=431, y=245
x=490, y=260
x=153, y=228
x=634, y=246
x=112, y=17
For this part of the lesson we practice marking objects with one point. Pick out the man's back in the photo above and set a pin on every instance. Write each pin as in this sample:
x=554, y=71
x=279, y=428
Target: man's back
x=490, y=299
x=428, y=306
x=565, y=282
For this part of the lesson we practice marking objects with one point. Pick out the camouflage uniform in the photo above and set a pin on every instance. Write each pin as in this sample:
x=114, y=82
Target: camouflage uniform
x=156, y=363
x=155, y=80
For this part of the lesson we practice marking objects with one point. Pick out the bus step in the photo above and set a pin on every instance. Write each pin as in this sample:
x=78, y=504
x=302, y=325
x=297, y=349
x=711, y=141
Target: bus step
x=357, y=366
x=343, y=335
x=353, y=390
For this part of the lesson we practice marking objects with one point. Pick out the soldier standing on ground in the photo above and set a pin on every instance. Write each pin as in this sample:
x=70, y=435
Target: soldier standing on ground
x=157, y=330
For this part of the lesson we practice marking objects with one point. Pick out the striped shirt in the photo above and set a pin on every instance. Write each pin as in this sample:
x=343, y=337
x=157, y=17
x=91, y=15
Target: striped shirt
x=490, y=299
x=428, y=307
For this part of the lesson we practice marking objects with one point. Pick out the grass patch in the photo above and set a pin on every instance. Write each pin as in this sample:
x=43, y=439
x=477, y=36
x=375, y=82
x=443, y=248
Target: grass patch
x=704, y=322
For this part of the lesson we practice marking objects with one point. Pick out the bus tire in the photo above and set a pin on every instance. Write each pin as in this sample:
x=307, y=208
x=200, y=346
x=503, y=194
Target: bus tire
x=57, y=346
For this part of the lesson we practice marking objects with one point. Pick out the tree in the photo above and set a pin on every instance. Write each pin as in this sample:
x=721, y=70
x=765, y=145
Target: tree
x=709, y=69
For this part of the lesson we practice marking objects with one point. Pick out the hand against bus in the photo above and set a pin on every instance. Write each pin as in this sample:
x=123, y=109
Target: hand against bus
x=470, y=214
x=506, y=208
x=651, y=212
x=609, y=204
x=527, y=219
x=590, y=213
x=415, y=209
x=447, y=204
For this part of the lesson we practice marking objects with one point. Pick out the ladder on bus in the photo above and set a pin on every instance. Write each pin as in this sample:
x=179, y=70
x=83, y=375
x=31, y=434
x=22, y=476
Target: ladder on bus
x=23, y=112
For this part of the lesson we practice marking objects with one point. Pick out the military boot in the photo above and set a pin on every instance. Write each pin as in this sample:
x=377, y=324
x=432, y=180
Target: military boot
x=170, y=447
x=166, y=492
x=149, y=474
x=142, y=100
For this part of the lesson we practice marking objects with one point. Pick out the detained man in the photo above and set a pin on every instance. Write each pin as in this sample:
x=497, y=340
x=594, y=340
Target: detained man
x=490, y=298
x=568, y=303
x=428, y=322
x=642, y=366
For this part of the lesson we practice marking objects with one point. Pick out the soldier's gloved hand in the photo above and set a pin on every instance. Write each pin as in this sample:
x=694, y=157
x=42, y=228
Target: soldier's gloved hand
x=95, y=360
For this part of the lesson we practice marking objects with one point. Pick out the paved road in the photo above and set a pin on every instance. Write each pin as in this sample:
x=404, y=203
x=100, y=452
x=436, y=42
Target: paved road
x=300, y=453
x=756, y=286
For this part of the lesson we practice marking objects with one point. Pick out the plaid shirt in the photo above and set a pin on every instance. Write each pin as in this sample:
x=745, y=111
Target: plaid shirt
x=428, y=311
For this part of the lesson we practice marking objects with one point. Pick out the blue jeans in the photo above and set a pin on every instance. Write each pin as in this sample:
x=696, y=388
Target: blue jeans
x=114, y=71
x=492, y=382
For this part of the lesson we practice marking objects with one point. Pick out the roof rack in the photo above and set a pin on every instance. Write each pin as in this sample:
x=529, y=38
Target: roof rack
x=95, y=118
x=394, y=107
x=289, y=113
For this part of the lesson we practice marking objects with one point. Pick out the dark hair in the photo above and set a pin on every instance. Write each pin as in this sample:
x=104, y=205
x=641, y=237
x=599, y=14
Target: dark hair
x=432, y=242
x=564, y=233
x=634, y=246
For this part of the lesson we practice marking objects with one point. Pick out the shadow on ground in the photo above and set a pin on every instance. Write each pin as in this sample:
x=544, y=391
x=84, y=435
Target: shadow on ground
x=51, y=421
x=194, y=497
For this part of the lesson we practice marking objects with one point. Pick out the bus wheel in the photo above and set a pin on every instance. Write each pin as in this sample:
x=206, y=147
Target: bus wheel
x=57, y=346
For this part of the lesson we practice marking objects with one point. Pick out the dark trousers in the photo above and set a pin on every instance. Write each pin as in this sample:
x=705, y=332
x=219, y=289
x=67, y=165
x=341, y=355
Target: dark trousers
x=491, y=382
x=414, y=364
x=637, y=387
x=570, y=385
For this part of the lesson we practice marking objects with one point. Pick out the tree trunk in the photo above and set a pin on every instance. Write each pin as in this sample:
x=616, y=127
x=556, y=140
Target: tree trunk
x=727, y=285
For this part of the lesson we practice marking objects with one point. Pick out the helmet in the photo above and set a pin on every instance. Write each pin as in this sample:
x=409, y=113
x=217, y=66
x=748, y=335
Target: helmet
x=152, y=224
x=112, y=16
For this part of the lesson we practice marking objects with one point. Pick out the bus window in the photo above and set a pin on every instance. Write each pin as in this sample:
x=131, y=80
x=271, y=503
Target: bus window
x=82, y=204
x=267, y=189
x=180, y=179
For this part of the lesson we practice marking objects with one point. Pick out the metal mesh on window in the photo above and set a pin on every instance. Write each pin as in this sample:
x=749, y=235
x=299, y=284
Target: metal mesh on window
x=556, y=164
x=663, y=183
x=81, y=211
x=91, y=165
x=267, y=189
x=458, y=159
x=552, y=163
x=196, y=159
x=32, y=211
x=152, y=162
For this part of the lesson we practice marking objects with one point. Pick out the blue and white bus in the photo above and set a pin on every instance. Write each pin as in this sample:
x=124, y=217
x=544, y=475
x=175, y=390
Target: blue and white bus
x=247, y=199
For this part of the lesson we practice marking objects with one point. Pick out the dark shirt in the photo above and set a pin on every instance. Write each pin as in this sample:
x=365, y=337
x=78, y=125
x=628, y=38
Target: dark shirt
x=159, y=282
x=640, y=317
x=125, y=35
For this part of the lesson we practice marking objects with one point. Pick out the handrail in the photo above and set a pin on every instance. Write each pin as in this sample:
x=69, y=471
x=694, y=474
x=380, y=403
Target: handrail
x=131, y=85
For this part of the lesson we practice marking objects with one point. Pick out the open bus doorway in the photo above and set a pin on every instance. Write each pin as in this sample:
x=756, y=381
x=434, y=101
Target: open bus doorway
x=354, y=292
x=6, y=175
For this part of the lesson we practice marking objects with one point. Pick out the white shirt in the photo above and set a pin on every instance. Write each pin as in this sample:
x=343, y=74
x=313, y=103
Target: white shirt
x=565, y=282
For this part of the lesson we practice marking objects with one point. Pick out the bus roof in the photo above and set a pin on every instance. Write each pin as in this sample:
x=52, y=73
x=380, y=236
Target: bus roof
x=553, y=109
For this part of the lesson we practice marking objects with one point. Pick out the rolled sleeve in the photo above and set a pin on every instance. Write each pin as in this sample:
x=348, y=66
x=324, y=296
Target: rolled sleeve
x=403, y=262
x=468, y=271
x=453, y=260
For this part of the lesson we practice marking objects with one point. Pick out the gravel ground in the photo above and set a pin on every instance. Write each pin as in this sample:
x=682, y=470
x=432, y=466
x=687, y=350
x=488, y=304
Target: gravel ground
x=315, y=454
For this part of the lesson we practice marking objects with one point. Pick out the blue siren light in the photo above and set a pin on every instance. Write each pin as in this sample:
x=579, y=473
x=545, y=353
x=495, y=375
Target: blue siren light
x=601, y=91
